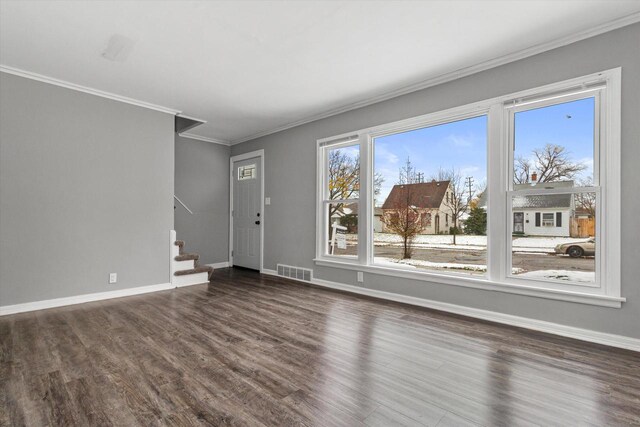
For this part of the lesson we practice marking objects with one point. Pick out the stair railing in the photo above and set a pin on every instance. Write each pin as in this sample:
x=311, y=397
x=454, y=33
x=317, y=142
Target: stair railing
x=183, y=205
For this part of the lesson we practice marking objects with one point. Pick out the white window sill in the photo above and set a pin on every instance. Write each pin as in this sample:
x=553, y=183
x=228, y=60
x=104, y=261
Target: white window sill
x=479, y=283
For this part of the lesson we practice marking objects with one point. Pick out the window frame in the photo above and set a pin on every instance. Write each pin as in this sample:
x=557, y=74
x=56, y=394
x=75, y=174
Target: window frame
x=606, y=290
x=325, y=201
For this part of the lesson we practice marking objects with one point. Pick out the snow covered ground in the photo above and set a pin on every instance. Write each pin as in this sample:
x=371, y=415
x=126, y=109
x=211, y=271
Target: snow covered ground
x=418, y=263
x=443, y=241
x=572, y=276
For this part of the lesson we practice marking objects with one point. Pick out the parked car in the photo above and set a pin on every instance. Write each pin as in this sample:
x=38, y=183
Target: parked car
x=577, y=249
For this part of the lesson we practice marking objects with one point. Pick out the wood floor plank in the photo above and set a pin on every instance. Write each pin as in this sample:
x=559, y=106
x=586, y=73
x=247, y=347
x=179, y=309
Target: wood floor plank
x=254, y=350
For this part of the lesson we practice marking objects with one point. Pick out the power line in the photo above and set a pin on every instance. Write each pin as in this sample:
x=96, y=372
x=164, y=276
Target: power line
x=469, y=182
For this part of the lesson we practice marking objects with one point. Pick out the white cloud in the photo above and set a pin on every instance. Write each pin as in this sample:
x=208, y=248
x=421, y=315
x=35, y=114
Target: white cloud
x=385, y=155
x=461, y=141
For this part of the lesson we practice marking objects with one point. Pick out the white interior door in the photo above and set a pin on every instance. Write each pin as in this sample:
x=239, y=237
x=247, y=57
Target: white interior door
x=246, y=212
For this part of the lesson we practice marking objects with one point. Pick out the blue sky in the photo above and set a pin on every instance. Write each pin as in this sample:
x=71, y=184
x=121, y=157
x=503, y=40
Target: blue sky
x=463, y=144
x=569, y=125
x=460, y=144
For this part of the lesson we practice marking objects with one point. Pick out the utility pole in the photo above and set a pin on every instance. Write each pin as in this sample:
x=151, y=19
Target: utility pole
x=470, y=184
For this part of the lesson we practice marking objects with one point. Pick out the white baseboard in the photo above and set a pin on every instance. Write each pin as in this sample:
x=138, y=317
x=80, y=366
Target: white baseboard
x=223, y=264
x=506, y=319
x=79, y=299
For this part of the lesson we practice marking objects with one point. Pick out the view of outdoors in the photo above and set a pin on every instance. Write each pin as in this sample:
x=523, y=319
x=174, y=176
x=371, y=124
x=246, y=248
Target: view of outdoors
x=343, y=173
x=554, y=234
x=430, y=210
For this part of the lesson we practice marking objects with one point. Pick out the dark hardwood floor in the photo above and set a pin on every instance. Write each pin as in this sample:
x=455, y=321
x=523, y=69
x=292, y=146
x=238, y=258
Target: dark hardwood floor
x=260, y=350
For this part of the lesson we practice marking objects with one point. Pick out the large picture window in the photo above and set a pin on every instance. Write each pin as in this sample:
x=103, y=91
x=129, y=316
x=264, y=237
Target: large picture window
x=429, y=210
x=519, y=194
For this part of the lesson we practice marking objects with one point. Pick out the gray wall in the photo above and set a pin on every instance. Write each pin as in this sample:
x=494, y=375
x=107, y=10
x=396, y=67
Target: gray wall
x=290, y=233
x=202, y=183
x=86, y=189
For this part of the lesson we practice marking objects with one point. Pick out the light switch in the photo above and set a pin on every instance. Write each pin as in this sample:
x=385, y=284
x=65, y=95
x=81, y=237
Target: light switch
x=267, y=201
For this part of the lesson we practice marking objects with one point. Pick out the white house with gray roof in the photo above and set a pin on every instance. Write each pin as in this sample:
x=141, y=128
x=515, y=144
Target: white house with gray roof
x=548, y=215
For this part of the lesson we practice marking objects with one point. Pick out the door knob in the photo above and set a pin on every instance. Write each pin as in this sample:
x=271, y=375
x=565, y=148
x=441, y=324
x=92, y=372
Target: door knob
x=257, y=222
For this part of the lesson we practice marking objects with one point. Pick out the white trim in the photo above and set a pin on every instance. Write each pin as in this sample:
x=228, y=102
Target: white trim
x=238, y=158
x=603, y=338
x=204, y=138
x=85, y=89
x=457, y=74
x=611, y=195
x=79, y=299
x=469, y=281
x=223, y=264
x=173, y=252
x=184, y=116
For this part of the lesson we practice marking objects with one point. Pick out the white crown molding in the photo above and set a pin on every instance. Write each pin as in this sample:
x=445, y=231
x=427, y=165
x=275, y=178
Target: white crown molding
x=79, y=299
x=62, y=83
x=184, y=116
x=205, y=139
x=457, y=74
x=604, y=338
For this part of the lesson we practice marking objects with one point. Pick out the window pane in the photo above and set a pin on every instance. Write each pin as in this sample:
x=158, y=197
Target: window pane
x=561, y=246
x=343, y=172
x=342, y=230
x=247, y=172
x=555, y=144
x=430, y=202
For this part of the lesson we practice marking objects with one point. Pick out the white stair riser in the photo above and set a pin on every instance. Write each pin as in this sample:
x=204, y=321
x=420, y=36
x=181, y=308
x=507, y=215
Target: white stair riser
x=190, y=279
x=183, y=265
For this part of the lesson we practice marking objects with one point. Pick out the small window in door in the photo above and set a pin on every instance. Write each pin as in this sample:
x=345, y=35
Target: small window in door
x=247, y=172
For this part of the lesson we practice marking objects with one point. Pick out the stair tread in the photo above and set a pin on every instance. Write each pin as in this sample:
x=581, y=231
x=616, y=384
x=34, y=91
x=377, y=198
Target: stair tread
x=187, y=257
x=201, y=269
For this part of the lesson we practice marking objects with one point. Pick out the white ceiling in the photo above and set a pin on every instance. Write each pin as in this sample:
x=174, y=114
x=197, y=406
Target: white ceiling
x=250, y=67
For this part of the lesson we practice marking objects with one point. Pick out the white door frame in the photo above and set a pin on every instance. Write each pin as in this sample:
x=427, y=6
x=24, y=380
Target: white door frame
x=232, y=160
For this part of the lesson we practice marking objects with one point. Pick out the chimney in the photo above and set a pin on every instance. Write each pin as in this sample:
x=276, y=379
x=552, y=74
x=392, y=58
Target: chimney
x=534, y=177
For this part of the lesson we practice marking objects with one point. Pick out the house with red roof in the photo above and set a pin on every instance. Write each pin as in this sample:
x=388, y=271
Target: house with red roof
x=430, y=199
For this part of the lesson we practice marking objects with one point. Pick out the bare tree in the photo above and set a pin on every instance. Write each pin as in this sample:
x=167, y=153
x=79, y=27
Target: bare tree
x=441, y=175
x=586, y=201
x=551, y=163
x=456, y=201
x=344, y=180
x=404, y=220
x=409, y=174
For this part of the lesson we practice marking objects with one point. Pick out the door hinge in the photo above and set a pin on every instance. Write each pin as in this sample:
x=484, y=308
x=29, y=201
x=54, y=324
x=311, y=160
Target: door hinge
x=231, y=253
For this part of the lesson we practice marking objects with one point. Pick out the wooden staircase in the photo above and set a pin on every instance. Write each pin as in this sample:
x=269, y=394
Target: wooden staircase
x=185, y=268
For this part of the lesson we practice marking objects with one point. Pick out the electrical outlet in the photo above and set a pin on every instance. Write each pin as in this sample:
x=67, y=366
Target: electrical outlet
x=360, y=276
x=113, y=278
